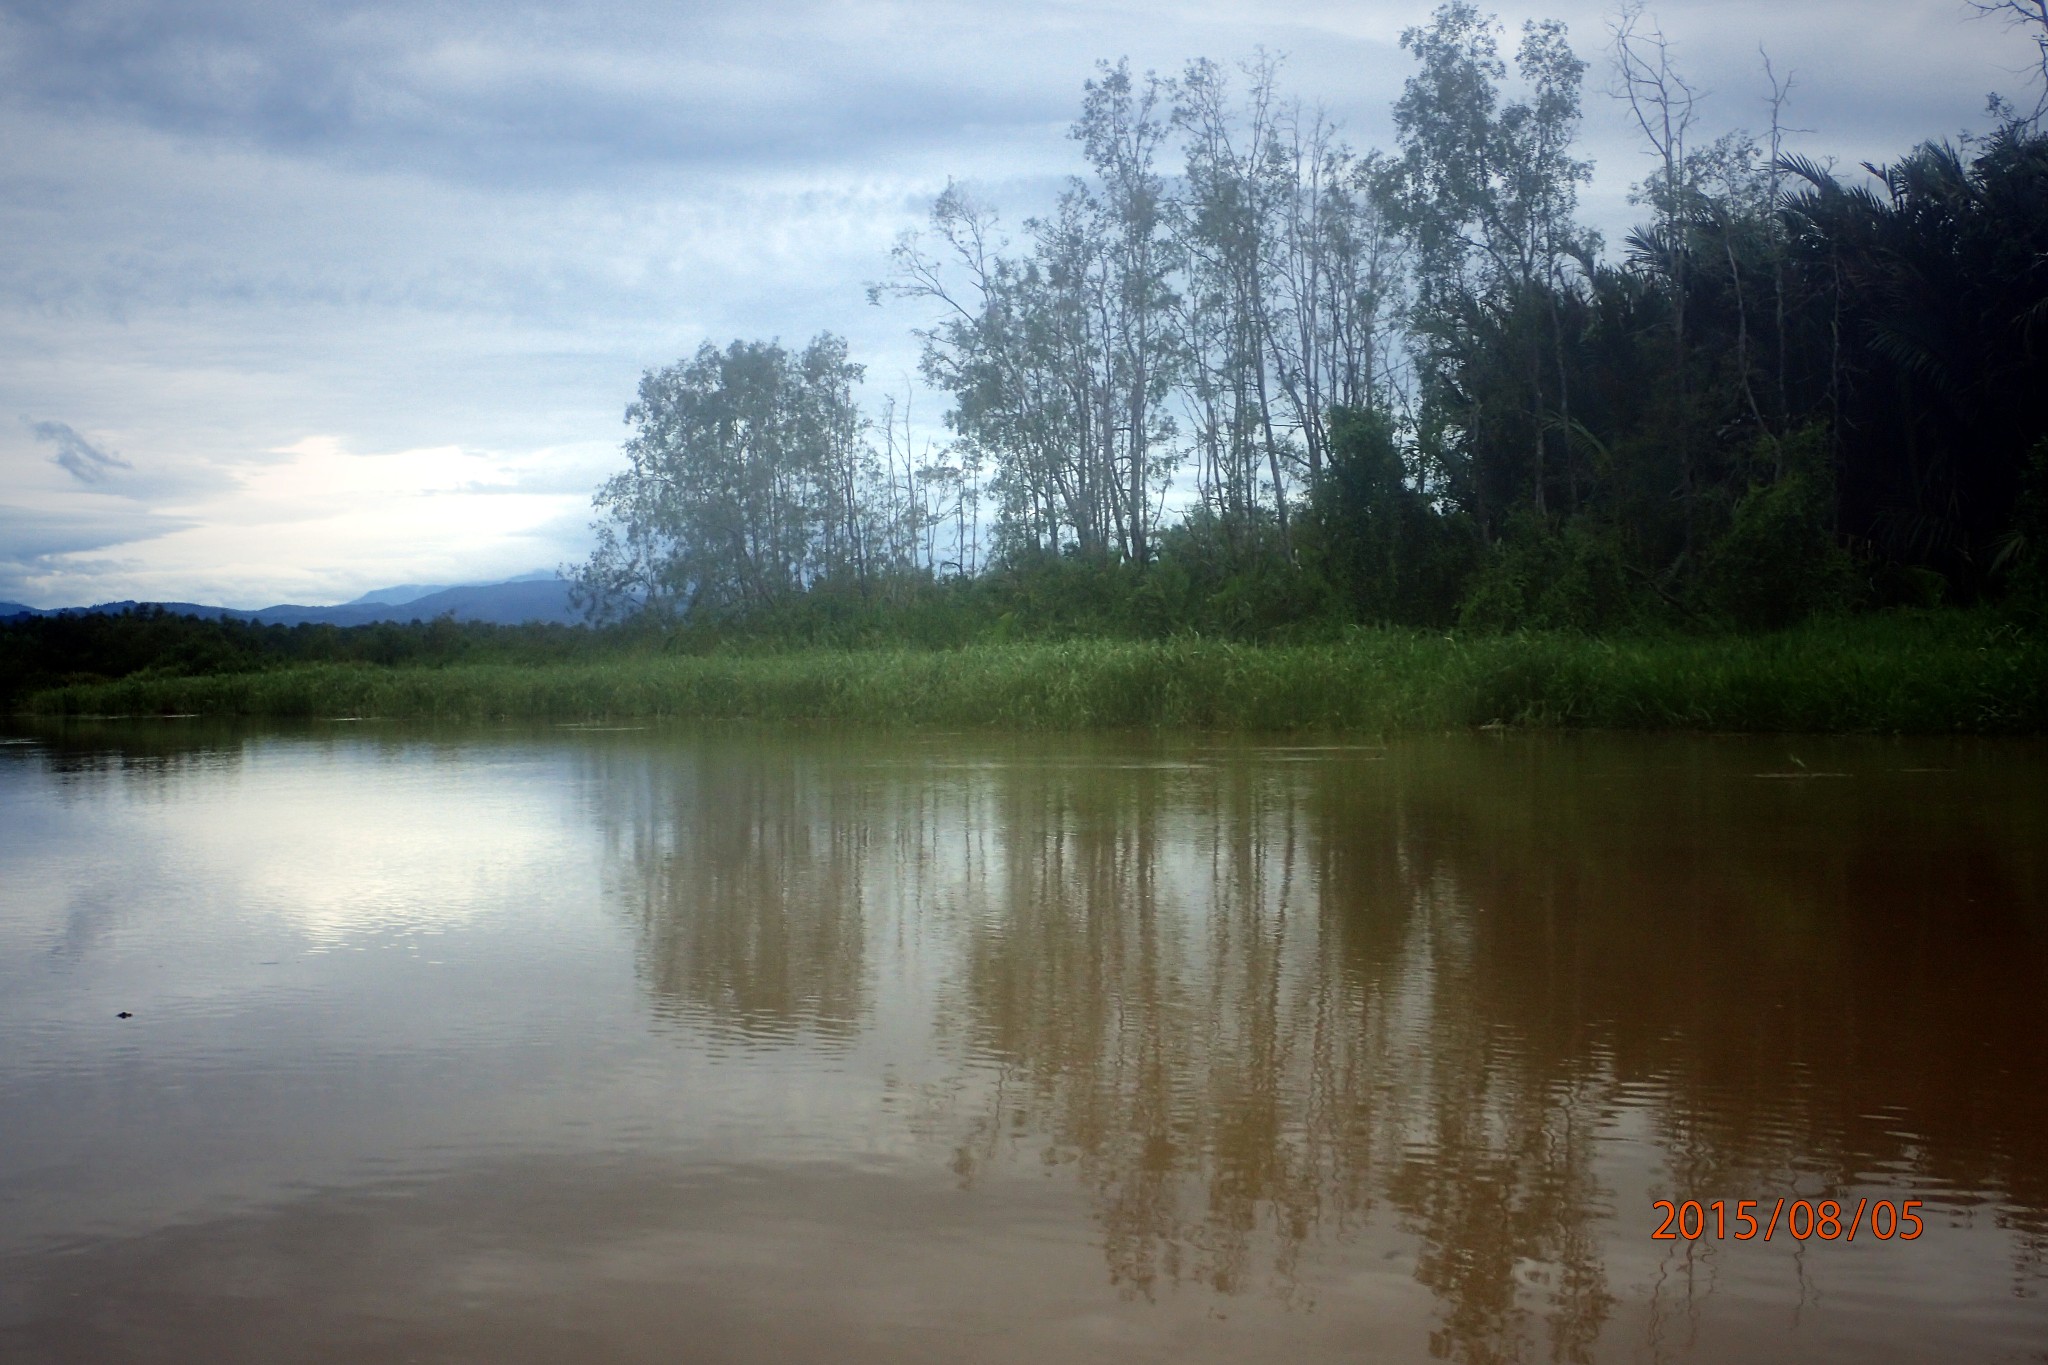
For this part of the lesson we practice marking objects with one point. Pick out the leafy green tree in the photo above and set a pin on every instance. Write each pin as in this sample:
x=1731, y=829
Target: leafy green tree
x=1487, y=191
x=748, y=481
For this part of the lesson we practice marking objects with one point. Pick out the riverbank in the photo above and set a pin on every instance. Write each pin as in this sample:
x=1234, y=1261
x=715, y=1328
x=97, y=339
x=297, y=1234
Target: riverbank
x=1938, y=673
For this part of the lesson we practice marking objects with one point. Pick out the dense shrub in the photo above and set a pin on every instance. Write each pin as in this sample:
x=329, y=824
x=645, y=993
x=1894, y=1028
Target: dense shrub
x=1536, y=577
x=1779, y=561
x=1390, y=554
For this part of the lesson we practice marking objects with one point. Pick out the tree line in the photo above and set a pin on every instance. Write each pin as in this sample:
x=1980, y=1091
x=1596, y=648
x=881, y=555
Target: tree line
x=1244, y=376
x=40, y=652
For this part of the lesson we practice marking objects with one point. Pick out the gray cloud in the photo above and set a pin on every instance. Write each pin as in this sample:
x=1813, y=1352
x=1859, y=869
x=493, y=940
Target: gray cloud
x=498, y=93
x=30, y=538
x=590, y=91
x=85, y=461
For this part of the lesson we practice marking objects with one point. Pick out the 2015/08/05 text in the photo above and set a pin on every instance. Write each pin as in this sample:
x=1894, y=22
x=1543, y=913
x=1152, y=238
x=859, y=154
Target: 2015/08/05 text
x=1800, y=1219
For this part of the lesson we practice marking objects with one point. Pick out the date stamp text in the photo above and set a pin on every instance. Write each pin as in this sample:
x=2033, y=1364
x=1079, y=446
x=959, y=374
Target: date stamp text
x=1742, y=1220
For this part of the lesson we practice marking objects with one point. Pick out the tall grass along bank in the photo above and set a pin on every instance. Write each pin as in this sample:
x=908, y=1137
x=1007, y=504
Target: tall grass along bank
x=1886, y=675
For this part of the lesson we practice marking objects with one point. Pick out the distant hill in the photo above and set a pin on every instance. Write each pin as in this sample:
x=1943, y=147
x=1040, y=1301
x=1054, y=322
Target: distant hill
x=398, y=596
x=413, y=592
x=531, y=597
x=504, y=604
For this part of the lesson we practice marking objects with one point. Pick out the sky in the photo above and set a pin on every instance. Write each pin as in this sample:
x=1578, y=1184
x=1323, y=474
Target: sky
x=301, y=300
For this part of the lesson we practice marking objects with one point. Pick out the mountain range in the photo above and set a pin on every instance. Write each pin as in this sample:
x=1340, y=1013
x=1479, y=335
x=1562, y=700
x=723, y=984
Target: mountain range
x=538, y=596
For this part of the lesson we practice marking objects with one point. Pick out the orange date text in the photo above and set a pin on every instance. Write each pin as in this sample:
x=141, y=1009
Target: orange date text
x=1829, y=1220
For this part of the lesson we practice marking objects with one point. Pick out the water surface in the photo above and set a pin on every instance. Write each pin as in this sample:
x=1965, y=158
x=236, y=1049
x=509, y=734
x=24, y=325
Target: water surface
x=639, y=1044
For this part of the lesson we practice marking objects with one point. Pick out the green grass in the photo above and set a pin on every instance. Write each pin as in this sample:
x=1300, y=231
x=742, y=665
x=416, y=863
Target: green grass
x=1936, y=673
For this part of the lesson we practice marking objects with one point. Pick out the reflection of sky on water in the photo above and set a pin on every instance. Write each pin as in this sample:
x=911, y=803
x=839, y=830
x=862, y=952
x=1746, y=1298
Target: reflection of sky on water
x=1450, y=1012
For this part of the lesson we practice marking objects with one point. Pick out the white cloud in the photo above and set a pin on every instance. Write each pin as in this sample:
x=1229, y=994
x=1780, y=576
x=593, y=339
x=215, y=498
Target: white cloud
x=317, y=522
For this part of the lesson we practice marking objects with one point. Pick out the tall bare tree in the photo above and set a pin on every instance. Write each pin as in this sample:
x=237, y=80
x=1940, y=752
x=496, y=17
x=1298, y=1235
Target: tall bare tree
x=1663, y=105
x=1229, y=215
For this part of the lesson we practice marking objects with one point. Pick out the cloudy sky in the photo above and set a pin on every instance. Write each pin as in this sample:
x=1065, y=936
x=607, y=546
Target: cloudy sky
x=299, y=300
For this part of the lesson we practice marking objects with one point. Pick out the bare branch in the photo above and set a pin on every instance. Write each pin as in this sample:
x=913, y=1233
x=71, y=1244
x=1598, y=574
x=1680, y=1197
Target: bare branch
x=2030, y=15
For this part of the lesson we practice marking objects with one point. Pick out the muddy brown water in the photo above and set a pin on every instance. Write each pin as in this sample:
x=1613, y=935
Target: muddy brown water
x=556, y=1044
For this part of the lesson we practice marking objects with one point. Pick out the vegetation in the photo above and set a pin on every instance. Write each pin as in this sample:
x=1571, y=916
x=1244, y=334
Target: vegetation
x=1248, y=386
x=1927, y=672
x=42, y=652
x=1243, y=362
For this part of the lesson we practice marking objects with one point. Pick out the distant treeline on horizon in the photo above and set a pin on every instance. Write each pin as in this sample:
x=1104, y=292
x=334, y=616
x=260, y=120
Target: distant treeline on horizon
x=530, y=598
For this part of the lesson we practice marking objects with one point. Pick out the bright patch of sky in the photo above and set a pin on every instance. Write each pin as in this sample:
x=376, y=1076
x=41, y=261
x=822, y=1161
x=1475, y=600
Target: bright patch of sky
x=302, y=300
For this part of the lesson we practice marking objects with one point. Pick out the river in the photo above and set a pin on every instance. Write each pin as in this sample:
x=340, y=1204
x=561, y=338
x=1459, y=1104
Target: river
x=362, y=1042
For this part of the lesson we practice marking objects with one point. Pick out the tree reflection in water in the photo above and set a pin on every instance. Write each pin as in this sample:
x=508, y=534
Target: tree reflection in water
x=1260, y=1000
x=743, y=878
